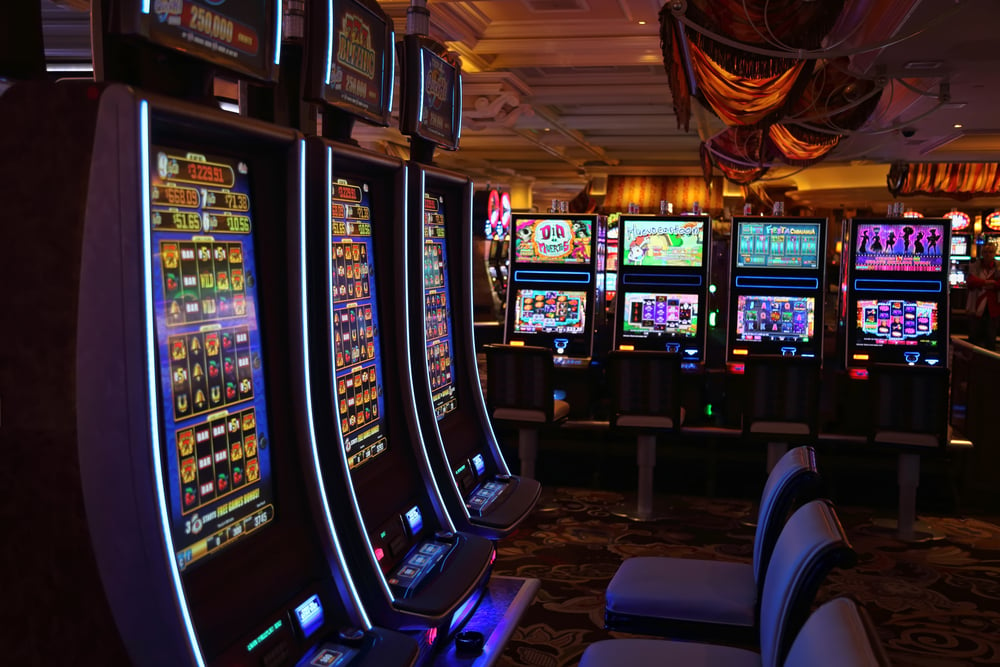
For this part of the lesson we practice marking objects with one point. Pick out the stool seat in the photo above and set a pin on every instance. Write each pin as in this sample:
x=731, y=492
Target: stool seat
x=659, y=652
x=685, y=589
x=560, y=411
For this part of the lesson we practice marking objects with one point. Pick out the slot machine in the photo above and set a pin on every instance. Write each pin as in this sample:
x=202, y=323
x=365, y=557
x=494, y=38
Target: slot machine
x=897, y=293
x=414, y=570
x=555, y=297
x=177, y=365
x=663, y=285
x=960, y=254
x=479, y=490
x=776, y=289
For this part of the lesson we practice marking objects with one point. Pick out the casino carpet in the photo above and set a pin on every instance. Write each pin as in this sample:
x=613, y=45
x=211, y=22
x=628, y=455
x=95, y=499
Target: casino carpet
x=935, y=604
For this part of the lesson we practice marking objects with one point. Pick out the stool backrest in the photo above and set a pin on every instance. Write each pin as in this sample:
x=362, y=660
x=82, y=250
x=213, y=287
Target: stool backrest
x=644, y=383
x=781, y=389
x=794, y=480
x=810, y=545
x=838, y=633
x=910, y=405
x=519, y=377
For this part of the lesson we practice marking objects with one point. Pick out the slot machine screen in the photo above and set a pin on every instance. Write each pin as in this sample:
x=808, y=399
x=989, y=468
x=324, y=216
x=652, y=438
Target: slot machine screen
x=656, y=315
x=775, y=318
x=235, y=35
x=438, y=324
x=668, y=243
x=959, y=245
x=553, y=241
x=777, y=245
x=883, y=323
x=354, y=326
x=210, y=365
x=550, y=311
x=361, y=69
x=898, y=246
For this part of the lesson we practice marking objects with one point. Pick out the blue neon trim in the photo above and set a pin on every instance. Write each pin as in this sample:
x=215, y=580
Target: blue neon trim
x=665, y=280
x=392, y=67
x=554, y=276
x=147, y=277
x=420, y=105
x=277, y=34
x=145, y=7
x=881, y=285
x=764, y=282
x=329, y=41
x=355, y=596
x=458, y=105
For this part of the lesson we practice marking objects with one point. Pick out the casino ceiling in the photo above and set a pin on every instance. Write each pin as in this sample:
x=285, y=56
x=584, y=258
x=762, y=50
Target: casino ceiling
x=560, y=94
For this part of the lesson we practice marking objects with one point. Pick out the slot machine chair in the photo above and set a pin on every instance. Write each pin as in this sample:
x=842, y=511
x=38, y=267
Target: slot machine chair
x=780, y=403
x=697, y=598
x=810, y=545
x=519, y=393
x=909, y=413
x=644, y=387
x=838, y=633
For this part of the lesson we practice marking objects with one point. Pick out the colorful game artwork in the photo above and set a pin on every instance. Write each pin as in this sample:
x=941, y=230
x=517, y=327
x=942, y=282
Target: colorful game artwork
x=784, y=245
x=650, y=314
x=896, y=321
x=668, y=243
x=899, y=246
x=553, y=241
x=550, y=311
x=775, y=318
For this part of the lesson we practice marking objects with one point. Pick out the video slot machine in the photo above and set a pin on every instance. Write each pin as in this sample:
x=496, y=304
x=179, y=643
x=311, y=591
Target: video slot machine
x=480, y=492
x=897, y=293
x=960, y=254
x=776, y=289
x=611, y=274
x=174, y=226
x=663, y=285
x=413, y=569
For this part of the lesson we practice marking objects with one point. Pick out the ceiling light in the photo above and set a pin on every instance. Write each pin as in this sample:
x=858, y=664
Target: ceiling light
x=923, y=64
x=642, y=23
x=957, y=125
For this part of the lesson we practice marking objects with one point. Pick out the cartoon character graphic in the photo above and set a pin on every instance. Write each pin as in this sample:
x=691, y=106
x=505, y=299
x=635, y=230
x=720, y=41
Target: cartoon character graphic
x=636, y=251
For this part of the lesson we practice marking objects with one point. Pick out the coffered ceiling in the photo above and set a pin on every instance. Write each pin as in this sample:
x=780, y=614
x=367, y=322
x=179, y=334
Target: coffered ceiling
x=557, y=92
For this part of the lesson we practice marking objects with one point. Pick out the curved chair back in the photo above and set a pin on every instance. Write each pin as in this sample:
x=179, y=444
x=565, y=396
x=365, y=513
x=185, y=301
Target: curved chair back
x=793, y=480
x=644, y=388
x=810, y=545
x=519, y=382
x=838, y=633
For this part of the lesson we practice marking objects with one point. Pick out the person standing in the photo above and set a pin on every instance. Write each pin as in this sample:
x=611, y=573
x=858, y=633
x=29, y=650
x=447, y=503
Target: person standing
x=983, y=303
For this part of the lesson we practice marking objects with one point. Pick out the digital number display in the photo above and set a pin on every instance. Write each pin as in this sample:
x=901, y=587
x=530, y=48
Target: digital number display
x=210, y=361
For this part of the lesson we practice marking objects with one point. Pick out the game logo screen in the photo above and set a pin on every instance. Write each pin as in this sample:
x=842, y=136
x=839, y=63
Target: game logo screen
x=437, y=310
x=668, y=243
x=959, y=245
x=778, y=245
x=230, y=33
x=553, y=241
x=898, y=246
x=651, y=315
x=356, y=345
x=440, y=84
x=882, y=322
x=211, y=368
x=775, y=318
x=550, y=311
x=359, y=64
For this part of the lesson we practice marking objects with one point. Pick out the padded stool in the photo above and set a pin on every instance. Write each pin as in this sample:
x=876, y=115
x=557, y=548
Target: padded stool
x=644, y=388
x=909, y=414
x=837, y=634
x=519, y=392
x=781, y=403
x=691, y=597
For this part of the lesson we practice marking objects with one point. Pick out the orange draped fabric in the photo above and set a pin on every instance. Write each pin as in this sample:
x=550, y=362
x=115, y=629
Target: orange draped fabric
x=796, y=150
x=649, y=191
x=960, y=180
x=739, y=100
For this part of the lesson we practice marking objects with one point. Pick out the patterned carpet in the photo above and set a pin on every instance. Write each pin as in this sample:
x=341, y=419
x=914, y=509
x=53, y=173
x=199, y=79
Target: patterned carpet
x=935, y=604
